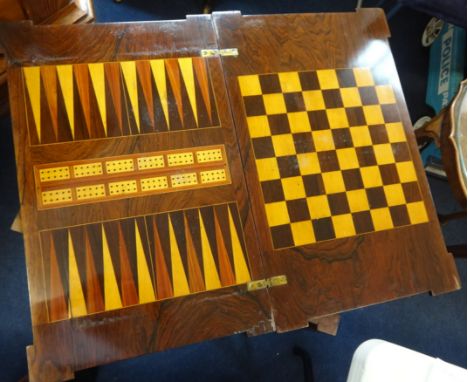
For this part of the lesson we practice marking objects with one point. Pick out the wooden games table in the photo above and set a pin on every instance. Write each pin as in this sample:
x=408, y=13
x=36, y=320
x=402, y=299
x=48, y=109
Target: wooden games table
x=186, y=180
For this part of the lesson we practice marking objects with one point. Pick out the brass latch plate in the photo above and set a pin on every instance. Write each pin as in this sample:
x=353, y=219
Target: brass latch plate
x=219, y=52
x=267, y=283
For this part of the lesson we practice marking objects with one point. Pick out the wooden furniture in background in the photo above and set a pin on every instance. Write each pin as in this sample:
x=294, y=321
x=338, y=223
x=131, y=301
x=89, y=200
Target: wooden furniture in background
x=40, y=12
x=186, y=180
x=448, y=130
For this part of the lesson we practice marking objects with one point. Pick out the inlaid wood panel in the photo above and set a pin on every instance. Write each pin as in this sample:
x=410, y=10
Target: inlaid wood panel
x=101, y=100
x=341, y=204
x=71, y=183
x=137, y=224
x=174, y=170
x=111, y=265
x=331, y=155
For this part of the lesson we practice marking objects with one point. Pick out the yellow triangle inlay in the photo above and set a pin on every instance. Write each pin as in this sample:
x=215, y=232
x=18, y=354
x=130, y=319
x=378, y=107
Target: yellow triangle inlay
x=130, y=77
x=159, y=74
x=96, y=72
x=65, y=77
x=32, y=78
x=186, y=69
x=77, y=300
x=145, y=286
x=209, y=266
x=240, y=266
x=111, y=290
x=179, y=279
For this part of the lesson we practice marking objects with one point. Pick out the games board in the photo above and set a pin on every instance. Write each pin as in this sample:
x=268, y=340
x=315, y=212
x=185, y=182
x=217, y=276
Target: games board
x=331, y=155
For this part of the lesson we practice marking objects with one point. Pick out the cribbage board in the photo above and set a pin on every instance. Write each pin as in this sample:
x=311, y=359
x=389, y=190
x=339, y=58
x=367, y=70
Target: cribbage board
x=182, y=181
x=331, y=155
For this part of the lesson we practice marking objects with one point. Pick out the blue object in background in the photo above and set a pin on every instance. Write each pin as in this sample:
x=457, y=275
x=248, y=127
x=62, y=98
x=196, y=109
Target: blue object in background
x=447, y=65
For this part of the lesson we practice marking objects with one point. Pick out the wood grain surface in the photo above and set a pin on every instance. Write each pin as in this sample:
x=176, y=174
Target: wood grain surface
x=121, y=276
x=336, y=275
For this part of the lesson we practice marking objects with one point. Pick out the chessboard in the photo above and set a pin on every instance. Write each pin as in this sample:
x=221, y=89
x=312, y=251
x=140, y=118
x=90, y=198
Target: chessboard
x=331, y=155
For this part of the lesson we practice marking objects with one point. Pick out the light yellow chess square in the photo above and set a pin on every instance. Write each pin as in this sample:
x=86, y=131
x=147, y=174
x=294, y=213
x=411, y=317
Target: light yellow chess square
x=350, y=97
x=361, y=136
x=357, y=200
x=277, y=213
x=274, y=103
x=384, y=153
x=323, y=140
x=373, y=115
x=337, y=118
x=406, y=172
x=381, y=218
x=327, y=79
x=347, y=158
x=293, y=188
x=267, y=169
x=303, y=233
x=385, y=94
x=333, y=182
x=371, y=176
x=363, y=77
x=394, y=195
x=343, y=225
x=258, y=126
x=417, y=213
x=283, y=144
x=313, y=100
x=318, y=206
x=289, y=82
x=250, y=85
x=299, y=122
x=395, y=132
x=308, y=163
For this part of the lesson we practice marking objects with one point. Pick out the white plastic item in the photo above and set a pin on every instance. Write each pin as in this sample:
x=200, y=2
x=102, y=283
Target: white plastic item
x=381, y=361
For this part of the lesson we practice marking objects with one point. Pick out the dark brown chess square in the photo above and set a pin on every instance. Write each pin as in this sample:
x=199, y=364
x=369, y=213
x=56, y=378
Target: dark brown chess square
x=401, y=152
x=378, y=134
x=399, y=215
x=412, y=192
x=389, y=174
x=338, y=203
x=366, y=156
x=342, y=138
x=254, y=105
x=355, y=116
x=368, y=95
x=346, y=78
x=270, y=83
x=263, y=147
x=303, y=143
x=282, y=236
x=390, y=113
x=363, y=222
x=279, y=124
x=352, y=179
x=323, y=229
x=288, y=166
x=376, y=197
x=332, y=98
x=318, y=120
x=298, y=210
x=309, y=80
x=328, y=161
x=272, y=191
x=313, y=185
x=294, y=102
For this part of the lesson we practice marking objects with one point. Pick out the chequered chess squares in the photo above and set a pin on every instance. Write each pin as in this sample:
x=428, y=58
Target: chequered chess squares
x=331, y=155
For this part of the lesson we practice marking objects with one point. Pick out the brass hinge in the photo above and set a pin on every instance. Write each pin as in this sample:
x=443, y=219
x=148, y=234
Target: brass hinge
x=267, y=283
x=219, y=52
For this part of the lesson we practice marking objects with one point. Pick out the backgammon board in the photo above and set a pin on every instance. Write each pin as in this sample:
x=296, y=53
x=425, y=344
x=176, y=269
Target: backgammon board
x=186, y=180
